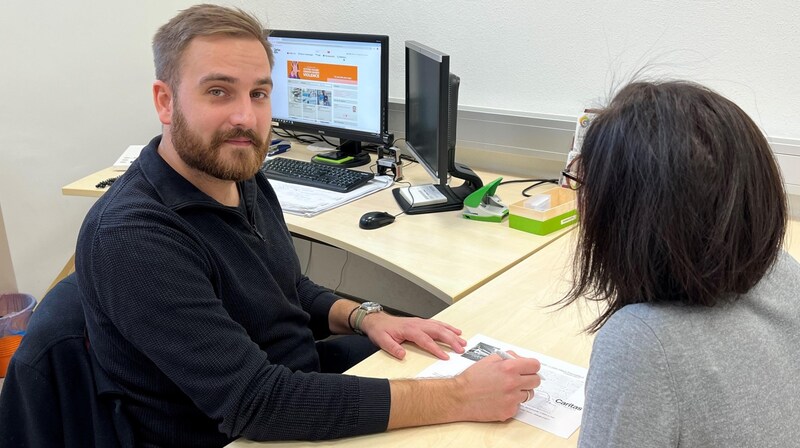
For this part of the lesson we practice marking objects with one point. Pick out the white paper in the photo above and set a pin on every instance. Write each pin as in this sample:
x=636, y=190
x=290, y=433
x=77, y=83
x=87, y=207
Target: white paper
x=310, y=201
x=557, y=404
x=127, y=157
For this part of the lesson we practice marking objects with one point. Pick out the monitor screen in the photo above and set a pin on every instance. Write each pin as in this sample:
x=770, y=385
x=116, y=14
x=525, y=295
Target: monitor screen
x=427, y=88
x=331, y=84
x=431, y=117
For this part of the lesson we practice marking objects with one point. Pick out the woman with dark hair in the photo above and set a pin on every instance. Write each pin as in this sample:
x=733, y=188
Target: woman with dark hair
x=683, y=215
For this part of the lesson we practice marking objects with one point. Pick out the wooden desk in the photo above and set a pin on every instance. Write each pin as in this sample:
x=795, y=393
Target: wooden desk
x=791, y=242
x=509, y=308
x=441, y=252
x=86, y=186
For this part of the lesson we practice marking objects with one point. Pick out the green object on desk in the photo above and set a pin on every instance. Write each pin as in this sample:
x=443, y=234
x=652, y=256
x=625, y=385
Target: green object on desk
x=562, y=213
x=322, y=159
x=543, y=227
x=484, y=205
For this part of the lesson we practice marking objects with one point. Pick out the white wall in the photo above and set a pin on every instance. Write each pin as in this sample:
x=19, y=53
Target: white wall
x=76, y=77
x=8, y=281
x=555, y=57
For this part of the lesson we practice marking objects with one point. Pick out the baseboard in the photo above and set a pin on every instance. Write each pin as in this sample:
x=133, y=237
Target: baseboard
x=545, y=137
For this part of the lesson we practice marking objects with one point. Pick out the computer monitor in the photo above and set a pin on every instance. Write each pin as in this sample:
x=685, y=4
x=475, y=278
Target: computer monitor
x=431, y=114
x=332, y=85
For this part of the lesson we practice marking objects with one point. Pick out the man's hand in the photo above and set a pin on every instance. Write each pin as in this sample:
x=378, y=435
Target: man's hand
x=490, y=390
x=388, y=332
x=497, y=387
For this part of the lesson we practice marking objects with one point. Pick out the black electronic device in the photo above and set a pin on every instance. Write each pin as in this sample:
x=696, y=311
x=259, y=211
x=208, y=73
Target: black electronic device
x=431, y=115
x=327, y=177
x=375, y=220
x=332, y=85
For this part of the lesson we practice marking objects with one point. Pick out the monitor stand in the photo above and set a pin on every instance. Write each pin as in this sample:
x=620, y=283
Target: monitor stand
x=348, y=155
x=455, y=196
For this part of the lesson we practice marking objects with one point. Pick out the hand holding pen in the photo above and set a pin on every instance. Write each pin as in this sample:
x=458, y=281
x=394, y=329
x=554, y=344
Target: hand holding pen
x=494, y=387
x=505, y=355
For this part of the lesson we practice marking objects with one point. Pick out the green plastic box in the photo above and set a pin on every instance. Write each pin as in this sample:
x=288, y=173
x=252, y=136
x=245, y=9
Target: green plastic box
x=562, y=213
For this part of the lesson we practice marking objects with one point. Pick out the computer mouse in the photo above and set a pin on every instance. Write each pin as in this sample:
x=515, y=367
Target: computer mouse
x=375, y=220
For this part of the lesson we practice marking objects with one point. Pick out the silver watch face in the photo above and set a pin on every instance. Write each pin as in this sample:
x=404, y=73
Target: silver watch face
x=371, y=307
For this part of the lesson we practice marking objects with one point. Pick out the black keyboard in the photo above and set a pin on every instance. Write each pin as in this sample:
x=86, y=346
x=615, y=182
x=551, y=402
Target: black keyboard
x=327, y=177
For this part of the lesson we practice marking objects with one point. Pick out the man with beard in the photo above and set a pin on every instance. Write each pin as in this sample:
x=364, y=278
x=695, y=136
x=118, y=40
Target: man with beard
x=195, y=302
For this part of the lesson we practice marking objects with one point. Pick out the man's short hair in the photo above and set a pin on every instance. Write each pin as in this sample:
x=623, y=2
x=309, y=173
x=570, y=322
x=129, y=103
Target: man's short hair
x=173, y=37
x=682, y=200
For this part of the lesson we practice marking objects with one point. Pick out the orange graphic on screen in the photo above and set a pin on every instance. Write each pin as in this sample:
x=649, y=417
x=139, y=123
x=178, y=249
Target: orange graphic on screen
x=315, y=71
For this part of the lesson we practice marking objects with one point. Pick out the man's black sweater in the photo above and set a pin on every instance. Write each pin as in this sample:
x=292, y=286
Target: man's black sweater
x=201, y=313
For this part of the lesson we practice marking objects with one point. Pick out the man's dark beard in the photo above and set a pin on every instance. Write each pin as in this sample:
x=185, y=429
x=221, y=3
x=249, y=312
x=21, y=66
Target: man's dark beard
x=205, y=158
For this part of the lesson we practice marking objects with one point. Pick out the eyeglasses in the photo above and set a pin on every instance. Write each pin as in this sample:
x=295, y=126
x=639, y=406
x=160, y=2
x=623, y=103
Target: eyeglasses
x=572, y=179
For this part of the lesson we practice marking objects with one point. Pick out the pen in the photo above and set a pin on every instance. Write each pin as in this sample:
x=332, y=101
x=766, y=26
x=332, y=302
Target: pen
x=504, y=354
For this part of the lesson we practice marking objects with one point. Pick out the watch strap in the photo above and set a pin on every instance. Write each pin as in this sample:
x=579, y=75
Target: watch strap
x=350, y=319
x=360, y=315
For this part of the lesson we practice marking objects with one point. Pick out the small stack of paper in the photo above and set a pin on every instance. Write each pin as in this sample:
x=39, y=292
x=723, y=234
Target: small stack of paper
x=127, y=157
x=310, y=201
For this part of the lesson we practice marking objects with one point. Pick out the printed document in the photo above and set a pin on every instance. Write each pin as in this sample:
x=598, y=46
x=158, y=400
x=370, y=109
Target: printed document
x=310, y=201
x=557, y=404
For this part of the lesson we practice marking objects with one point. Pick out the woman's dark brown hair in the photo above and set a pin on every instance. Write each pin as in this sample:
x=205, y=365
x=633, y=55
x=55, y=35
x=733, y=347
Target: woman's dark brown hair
x=682, y=201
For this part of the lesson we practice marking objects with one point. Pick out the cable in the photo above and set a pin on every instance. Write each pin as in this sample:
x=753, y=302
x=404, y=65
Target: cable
x=371, y=147
x=373, y=168
x=309, y=139
x=412, y=198
x=551, y=181
x=302, y=138
x=341, y=273
x=308, y=262
x=368, y=148
x=517, y=181
x=536, y=182
x=281, y=133
x=322, y=138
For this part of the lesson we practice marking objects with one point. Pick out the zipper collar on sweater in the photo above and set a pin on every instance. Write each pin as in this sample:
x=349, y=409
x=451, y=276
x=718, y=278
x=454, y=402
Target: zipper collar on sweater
x=176, y=192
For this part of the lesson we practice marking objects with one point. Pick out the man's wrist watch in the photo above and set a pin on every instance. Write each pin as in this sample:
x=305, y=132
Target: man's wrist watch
x=362, y=311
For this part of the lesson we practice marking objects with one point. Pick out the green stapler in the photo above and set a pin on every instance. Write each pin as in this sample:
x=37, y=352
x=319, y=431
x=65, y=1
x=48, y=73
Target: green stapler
x=484, y=205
